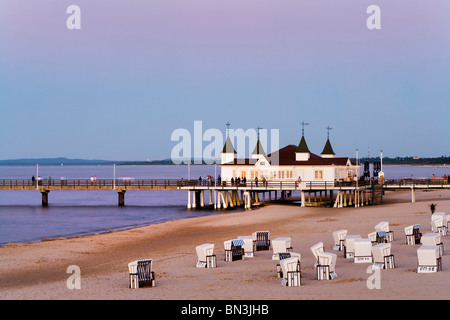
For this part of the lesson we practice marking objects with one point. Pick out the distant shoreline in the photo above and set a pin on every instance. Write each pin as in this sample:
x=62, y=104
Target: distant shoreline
x=163, y=163
x=441, y=162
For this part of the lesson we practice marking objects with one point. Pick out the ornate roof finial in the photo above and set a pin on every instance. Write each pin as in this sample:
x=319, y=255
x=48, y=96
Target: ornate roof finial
x=303, y=123
x=328, y=133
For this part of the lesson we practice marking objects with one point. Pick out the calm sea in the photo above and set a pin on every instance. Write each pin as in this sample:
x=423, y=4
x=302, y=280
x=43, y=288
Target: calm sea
x=74, y=213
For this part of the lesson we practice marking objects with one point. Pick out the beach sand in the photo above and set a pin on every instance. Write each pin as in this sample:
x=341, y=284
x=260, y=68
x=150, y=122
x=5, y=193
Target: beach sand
x=39, y=270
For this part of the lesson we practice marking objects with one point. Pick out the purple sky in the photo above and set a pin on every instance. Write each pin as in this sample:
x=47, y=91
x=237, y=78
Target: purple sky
x=137, y=70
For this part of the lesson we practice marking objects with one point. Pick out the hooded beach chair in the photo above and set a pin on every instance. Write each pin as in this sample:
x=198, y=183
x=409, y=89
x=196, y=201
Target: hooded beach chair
x=428, y=259
x=261, y=240
x=349, y=248
x=413, y=234
x=433, y=239
x=141, y=274
x=437, y=223
x=325, y=262
x=363, y=250
x=384, y=226
x=234, y=249
x=373, y=237
x=291, y=272
x=447, y=220
x=286, y=255
x=382, y=257
x=205, y=256
x=279, y=245
x=339, y=238
x=248, y=245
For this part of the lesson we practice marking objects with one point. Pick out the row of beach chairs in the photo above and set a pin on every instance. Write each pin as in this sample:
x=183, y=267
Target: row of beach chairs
x=376, y=249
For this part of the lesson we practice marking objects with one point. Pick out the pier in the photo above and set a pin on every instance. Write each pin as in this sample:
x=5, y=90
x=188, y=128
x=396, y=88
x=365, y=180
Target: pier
x=226, y=194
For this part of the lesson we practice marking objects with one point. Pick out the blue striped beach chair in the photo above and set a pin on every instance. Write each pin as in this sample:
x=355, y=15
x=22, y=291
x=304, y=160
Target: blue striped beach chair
x=413, y=234
x=141, y=274
x=234, y=250
x=381, y=237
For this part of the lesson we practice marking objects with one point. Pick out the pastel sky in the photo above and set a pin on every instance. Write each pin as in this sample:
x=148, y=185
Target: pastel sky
x=138, y=69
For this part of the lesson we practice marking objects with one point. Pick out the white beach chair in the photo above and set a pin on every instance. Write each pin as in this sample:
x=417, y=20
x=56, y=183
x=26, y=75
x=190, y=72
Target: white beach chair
x=447, y=220
x=433, y=239
x=437, y=223
x=248, y=246
x=413, y=234
x=279, y=245
x=382, y=257
x=141, y=274
x=286, y=255
x=384, y=226
x=363, y=250
x=261, y=240
x=373, y=237
x=205, y=256
x=325, y=262
x=428, y=259
x=338, y=238
x=234, y=249
x=349, y=248
x=437, y=215
x=291, y=272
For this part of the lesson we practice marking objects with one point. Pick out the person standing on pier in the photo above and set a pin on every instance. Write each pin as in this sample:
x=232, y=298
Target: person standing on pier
x=92, y=180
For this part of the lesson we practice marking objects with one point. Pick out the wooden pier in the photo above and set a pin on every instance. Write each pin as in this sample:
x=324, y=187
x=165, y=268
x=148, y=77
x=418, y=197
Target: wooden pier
x=226, y=194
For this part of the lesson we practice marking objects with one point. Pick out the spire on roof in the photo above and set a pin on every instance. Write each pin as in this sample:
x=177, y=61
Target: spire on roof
x=228, y=146
x=302, y=153
x=302, y=146
x=328, y=149
x=258, y=149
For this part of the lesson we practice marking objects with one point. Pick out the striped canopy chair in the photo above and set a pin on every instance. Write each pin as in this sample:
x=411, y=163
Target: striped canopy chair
x=141, y=274
x=261, y=240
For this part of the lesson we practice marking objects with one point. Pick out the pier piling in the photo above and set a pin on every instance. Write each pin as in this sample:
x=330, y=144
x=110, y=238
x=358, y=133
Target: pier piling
x=121, y=196
x=45, y=197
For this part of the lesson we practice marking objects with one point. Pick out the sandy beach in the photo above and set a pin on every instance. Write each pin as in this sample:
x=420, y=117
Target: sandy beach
x=39, y=270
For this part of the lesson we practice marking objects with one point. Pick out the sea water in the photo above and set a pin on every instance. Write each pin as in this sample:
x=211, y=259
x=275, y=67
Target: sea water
x=75, y=213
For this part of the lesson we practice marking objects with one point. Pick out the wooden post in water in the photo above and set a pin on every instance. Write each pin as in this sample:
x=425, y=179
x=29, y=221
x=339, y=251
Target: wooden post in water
x=45, y=197
x=121, y=197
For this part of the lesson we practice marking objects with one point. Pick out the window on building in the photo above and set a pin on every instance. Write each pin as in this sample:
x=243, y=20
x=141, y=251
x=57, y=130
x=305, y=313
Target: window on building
x=318, y=174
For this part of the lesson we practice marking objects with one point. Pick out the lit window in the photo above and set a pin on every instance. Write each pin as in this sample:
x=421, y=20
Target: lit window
x=318, y=174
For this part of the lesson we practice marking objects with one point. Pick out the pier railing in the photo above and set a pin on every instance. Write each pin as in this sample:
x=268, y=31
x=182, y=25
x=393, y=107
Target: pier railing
x=423, y=183
x=176, y=183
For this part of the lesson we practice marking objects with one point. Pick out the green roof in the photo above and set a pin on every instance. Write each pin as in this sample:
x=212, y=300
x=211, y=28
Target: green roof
x=302, y=146
x=328, y=149
x=258, y=148
x=228, y=146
